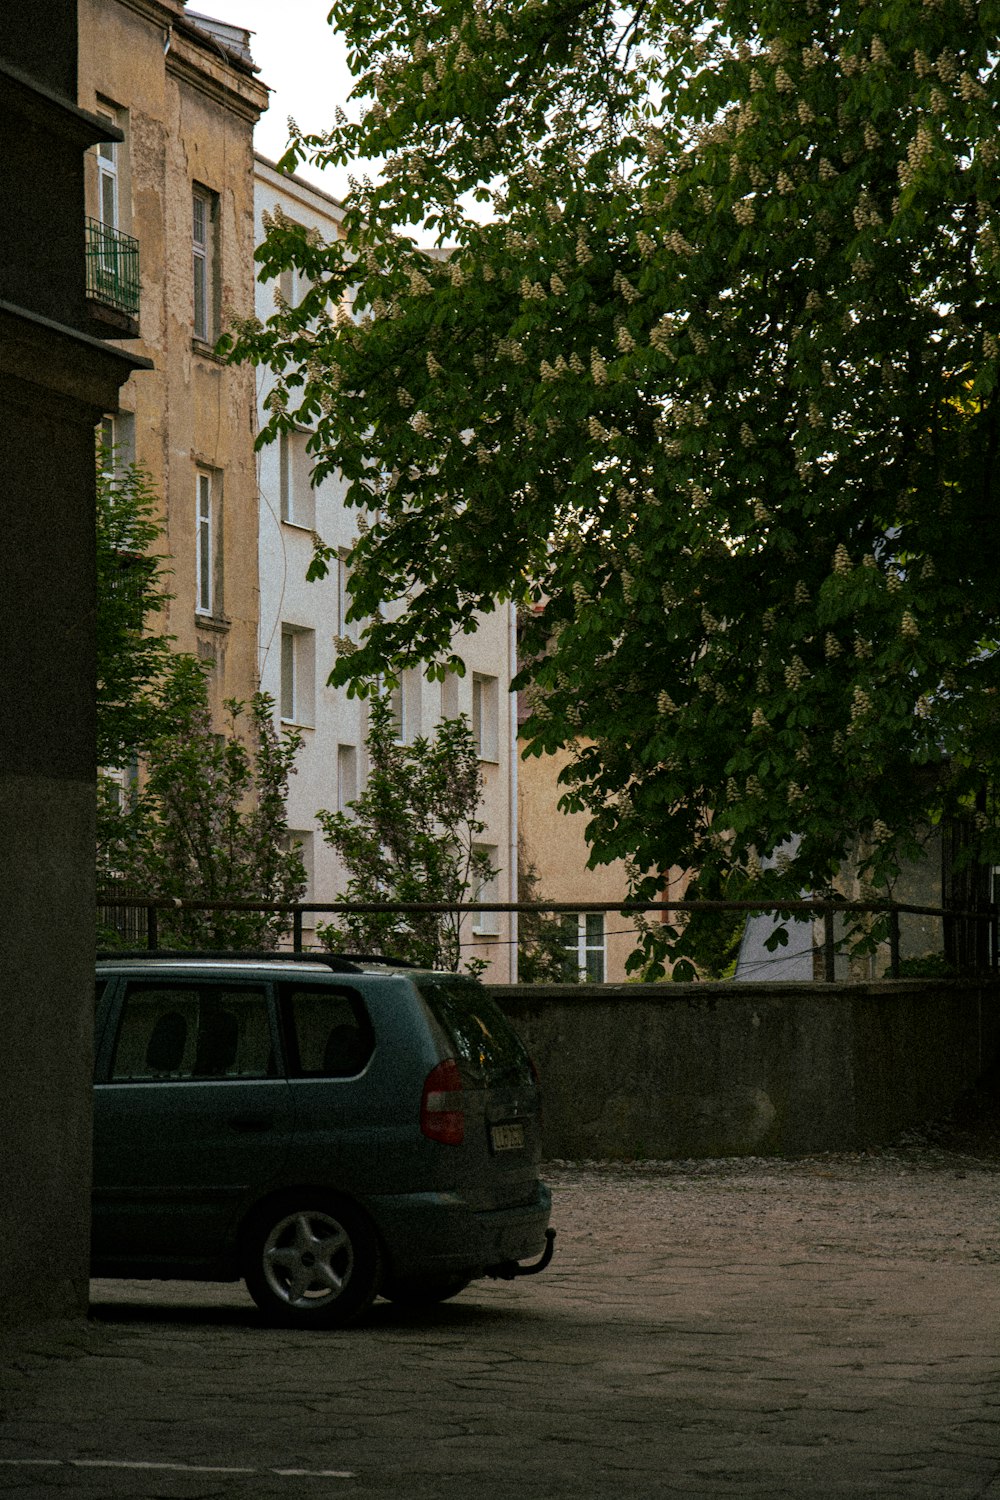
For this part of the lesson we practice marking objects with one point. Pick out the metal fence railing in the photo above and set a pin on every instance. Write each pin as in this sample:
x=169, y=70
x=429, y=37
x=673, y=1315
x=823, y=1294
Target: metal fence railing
x=980, y=926
x=112, y=267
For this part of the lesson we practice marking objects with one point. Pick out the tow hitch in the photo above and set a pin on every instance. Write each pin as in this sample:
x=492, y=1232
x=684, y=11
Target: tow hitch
x=508, y=1269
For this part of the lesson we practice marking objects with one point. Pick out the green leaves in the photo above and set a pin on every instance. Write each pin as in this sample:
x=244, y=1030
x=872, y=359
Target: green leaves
x=209, y=822
x=139, y=676
x=732, y=322
x=411, y=837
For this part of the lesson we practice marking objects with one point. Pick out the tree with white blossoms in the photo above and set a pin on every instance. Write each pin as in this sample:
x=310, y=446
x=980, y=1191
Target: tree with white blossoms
x=713, y=389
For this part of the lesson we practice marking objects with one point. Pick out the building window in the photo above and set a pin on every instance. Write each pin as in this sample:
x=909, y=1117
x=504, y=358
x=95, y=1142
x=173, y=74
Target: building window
x=449, y=696
x=207, y=590
x=485, y=706
x=204, y=216
x=348, y=630
x=116, y=436
x=404, y=705
x=347, y=777
x=297, y=671
x=397, y=708
x=108, y=162
x=298, y=498
x=122, y=785
x=583, y=936
x=302, y=840
x=487, y=923
x=293, y=284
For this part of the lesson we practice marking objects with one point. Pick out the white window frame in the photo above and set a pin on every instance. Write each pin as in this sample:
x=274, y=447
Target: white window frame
x=347, y=777
x=449, y=696
x=296, y=699
x=203, y=313
x=108, y=175
x=346, y=630
x=123, y=782
x=109, y=445
x=487, y=923
x=297, y=498
x=304, y=838
x=286, y=488
x=586, y=946
x=287, y=703
x=293, y=285
x=206, y=527
x=117, y=431
x=485, y=716
x=397, y=707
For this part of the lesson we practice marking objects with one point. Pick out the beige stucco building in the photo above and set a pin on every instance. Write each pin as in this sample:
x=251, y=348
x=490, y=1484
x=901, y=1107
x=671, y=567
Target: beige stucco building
x=301, y=623
x=183, y=91
x=553, y=843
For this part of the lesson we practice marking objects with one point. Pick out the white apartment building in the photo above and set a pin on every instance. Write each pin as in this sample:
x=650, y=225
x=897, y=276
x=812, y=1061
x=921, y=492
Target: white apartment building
x=301, y=621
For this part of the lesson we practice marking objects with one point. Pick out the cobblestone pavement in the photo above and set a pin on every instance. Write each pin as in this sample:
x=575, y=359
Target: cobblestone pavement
x=825, y=1327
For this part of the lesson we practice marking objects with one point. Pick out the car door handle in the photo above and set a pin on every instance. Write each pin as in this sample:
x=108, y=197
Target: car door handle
x=252, y=1122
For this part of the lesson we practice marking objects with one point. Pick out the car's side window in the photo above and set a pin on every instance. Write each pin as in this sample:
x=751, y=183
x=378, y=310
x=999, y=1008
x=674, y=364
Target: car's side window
x=179, y=1032
x=328, y=1033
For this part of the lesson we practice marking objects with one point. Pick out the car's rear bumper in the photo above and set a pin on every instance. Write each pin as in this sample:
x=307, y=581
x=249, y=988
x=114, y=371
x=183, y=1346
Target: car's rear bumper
x=439, y=1234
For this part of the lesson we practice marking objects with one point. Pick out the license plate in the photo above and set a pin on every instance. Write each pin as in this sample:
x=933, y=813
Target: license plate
x=507, y=1137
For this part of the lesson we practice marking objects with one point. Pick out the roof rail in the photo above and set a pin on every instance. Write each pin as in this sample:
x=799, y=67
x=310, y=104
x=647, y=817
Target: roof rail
x=340, y=963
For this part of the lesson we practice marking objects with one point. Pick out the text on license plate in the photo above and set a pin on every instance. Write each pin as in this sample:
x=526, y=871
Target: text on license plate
x=507, y=1137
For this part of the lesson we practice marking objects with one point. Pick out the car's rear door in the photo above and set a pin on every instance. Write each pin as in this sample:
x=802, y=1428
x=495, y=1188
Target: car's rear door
x=192, y=1118
x=501, y=1150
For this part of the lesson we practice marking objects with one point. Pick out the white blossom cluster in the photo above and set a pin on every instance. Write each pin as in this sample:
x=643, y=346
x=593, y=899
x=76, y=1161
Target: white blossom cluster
x=660, y=334
x=796, y=673
x=918, y=151
x=676, y=242
x=511, y=349
x=625, y=287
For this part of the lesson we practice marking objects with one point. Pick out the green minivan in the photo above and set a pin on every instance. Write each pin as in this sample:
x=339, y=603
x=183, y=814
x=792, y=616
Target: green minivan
x=329, y=1128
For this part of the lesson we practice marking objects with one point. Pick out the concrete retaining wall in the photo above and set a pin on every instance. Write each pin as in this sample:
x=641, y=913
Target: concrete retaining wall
x=674, y=1070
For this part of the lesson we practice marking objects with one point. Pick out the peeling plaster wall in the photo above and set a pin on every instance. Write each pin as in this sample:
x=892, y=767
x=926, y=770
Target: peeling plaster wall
x=188, y=113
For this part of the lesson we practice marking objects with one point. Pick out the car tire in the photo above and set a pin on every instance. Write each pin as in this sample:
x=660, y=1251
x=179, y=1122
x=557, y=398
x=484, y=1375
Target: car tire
x=417, y=1294
x=312, y=1261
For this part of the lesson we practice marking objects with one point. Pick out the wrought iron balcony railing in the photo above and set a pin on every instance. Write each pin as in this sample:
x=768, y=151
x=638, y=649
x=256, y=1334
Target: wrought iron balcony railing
x=112, y=268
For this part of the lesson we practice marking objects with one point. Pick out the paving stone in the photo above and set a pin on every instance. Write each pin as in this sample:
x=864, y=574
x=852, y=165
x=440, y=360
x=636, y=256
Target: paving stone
x=752, y=1328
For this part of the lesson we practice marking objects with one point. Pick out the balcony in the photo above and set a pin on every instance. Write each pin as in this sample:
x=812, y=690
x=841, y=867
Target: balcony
x=112, y=281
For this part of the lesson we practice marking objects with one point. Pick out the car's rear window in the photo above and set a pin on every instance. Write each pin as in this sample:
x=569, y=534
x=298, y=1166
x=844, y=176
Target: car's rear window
x=485, y=1042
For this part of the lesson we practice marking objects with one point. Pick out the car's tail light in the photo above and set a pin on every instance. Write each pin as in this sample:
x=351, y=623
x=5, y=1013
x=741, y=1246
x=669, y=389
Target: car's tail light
x=442, y=1116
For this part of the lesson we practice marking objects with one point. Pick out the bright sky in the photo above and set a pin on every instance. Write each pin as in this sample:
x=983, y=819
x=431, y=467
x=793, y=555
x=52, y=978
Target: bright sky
x=303, y=62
